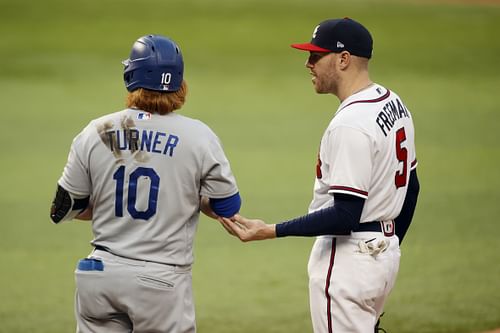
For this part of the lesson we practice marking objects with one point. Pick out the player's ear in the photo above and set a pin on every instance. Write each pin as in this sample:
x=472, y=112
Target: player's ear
x=344, y=59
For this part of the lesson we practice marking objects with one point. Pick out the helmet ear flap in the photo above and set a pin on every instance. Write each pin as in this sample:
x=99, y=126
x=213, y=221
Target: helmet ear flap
x=128, y=77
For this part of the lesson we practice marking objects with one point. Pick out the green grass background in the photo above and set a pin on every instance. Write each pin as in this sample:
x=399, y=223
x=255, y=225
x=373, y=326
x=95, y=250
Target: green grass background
x=60, y=67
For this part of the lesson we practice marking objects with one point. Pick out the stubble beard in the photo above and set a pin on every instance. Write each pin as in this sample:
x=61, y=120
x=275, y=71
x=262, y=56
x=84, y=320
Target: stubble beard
x=326, y=84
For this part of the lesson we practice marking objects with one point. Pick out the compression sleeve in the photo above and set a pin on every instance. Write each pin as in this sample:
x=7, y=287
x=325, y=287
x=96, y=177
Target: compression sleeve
x=226, y=207
x=403, y=221
x=339, y=219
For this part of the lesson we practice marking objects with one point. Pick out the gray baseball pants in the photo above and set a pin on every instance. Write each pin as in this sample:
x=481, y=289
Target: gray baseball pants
x=117, y=294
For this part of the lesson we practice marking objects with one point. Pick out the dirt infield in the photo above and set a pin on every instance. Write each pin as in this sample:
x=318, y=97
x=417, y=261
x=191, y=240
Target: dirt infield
x=494, y=331
x=475, y=2
x=463, y=2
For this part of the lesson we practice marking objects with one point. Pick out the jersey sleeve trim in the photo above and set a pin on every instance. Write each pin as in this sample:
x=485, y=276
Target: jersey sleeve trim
x=226, y=207
x=413, y=164
x=348, y=190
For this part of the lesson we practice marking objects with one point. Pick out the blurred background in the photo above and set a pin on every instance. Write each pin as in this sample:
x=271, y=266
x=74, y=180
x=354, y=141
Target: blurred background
x=60, y=67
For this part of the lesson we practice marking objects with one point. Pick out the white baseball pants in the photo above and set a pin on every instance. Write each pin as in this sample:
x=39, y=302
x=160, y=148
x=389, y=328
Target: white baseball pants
x=350, y=278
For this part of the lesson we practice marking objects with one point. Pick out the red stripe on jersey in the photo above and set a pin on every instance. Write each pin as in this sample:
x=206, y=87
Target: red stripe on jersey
x=413, y=163
x=348, y=189
x=381, y=98
x=327, y=286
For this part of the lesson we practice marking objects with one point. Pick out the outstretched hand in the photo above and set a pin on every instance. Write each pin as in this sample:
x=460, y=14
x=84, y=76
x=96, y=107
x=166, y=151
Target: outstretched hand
x=248, y=229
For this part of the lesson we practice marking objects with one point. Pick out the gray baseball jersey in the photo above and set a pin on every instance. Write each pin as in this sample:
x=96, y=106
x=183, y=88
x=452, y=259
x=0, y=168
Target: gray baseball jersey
x=145, y=174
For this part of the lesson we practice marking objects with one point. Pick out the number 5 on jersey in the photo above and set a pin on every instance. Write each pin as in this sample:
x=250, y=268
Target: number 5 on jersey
x=402, y=156
x=139, y=174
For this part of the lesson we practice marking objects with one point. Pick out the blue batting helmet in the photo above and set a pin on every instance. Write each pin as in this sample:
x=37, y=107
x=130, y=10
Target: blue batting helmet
x=155, y=63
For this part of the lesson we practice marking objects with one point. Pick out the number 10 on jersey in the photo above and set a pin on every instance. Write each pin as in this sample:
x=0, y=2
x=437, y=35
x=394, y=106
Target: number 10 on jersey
x=139, y=174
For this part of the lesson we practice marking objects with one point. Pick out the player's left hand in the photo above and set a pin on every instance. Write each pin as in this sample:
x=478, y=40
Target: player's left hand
x=248, y=229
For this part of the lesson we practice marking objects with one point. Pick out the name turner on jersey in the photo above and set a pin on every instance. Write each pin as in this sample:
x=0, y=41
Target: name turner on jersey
x=144, y=140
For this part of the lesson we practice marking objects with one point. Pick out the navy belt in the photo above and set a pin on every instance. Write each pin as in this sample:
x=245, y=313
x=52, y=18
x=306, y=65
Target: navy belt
x=387, y=227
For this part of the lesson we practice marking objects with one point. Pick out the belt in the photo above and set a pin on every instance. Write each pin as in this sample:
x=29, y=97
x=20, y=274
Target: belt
x=178, y=268
x=387, y=227
x=101, y=248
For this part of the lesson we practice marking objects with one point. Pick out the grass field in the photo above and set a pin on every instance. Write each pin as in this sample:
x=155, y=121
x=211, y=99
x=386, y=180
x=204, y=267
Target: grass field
x=60, y=67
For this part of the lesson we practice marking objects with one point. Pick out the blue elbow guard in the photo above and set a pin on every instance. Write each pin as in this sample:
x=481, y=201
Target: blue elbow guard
x=226, y=207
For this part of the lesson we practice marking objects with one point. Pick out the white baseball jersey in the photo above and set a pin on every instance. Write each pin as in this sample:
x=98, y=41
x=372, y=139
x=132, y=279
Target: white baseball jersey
x=368, y=151
x=145, y=174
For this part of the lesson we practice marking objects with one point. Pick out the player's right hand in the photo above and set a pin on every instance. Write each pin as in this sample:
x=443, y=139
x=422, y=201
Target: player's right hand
x=248, y=229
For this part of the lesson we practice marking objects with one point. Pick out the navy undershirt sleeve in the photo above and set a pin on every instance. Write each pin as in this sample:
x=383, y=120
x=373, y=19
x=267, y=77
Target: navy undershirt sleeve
x=404, y=219
x=226, y=207
x=339, y=219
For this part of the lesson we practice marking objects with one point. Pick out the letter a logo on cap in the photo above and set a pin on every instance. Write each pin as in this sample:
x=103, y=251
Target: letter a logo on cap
x=315, y=31
x=340, y=45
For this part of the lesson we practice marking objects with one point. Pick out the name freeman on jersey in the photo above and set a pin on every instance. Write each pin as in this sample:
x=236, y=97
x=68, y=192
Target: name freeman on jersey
x=391, y=112
x=143, y=140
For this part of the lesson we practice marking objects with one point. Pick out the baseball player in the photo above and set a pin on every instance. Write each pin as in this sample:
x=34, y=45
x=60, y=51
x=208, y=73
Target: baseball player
x=365, y=190
x=142, y=175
